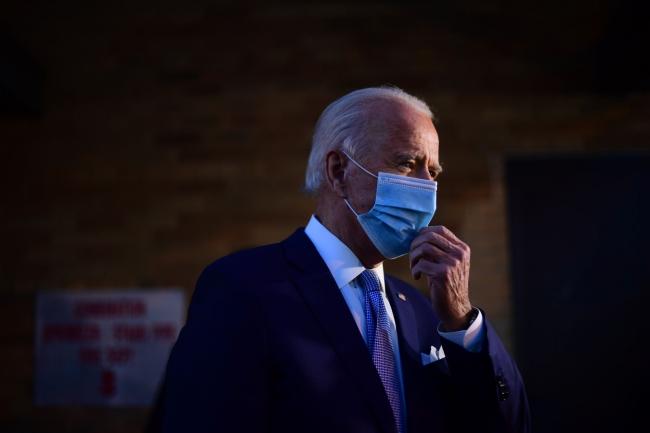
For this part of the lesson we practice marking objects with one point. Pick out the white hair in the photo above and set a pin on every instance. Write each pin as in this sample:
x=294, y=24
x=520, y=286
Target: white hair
x=342, y=126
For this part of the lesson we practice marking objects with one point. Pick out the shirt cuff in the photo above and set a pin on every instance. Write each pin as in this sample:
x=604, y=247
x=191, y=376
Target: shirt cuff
x=471, y=339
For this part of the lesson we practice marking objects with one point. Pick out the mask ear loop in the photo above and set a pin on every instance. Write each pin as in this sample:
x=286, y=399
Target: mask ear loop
x=350, y=207
x=362, y=168
x=359, y=165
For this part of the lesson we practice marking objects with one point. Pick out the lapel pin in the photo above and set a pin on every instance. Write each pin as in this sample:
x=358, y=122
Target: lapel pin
x=402, y=296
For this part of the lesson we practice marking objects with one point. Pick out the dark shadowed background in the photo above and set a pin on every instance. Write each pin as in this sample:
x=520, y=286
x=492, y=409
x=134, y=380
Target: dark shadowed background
x=141, y=140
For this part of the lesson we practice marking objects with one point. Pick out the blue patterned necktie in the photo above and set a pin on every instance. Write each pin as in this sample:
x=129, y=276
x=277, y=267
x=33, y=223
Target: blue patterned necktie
x=379, y=342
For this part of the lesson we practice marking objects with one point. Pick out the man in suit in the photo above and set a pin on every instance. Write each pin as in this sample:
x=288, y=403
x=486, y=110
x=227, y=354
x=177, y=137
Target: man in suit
x=310, y=335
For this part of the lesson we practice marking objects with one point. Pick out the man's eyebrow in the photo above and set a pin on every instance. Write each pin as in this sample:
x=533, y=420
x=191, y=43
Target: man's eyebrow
x=409, y=155
x=417, y=155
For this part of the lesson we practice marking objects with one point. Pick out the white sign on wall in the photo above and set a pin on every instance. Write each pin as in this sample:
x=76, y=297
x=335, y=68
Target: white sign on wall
x=104, y=347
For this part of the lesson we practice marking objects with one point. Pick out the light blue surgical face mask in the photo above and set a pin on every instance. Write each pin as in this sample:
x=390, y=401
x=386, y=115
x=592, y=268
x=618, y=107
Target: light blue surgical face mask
x=403, y=206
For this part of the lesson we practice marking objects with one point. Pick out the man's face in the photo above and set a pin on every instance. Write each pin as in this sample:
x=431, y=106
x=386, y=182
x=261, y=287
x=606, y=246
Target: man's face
x=403, y=141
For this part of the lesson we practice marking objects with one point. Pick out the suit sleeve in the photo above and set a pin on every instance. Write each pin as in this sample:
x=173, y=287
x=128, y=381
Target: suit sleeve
x=488, y=392
x=215, y=378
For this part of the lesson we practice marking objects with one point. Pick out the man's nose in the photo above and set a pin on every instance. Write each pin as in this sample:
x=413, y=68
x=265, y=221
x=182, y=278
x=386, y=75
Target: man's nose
x=423, y=173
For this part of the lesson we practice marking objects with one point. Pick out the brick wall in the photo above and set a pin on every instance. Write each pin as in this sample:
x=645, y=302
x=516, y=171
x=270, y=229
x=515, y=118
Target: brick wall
x=173, y=134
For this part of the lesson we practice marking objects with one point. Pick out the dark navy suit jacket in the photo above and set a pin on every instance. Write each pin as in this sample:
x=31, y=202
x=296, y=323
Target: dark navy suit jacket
x=270, y=346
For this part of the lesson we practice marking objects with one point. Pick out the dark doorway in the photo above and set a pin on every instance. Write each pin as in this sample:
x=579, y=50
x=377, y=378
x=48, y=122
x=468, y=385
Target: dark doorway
x=580, y=233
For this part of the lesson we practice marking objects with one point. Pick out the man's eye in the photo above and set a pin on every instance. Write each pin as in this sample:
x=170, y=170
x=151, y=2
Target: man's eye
x=410, y=165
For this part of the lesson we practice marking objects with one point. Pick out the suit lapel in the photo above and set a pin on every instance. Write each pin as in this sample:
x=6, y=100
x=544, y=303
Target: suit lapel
x=408, y=347
x=319, y=290
x=407, y=329
x=421, y=383
x=405, y=320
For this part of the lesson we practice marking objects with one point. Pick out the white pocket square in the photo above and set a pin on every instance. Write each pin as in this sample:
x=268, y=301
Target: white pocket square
x=433, y=356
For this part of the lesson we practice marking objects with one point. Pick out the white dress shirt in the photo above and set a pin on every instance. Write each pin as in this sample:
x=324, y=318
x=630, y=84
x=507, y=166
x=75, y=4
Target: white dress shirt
x=345, y=267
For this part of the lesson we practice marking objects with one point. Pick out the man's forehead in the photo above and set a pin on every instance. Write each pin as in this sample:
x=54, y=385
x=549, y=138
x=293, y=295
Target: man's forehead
x=418, y=138
x=398, y=118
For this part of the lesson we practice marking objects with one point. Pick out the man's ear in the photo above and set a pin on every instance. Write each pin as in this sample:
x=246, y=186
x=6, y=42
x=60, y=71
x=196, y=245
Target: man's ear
x=335, y=165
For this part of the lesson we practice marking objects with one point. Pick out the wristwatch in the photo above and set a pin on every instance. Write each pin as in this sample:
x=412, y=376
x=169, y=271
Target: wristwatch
x=472, y=317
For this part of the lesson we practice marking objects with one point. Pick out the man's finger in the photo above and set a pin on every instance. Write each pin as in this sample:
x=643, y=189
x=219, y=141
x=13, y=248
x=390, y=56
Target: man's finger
x=428, y=268
x=438, y=240
x=446, y=233
x=430, y=252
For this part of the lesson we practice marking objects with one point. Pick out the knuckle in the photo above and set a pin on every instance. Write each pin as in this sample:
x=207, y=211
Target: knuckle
x=428, y=250
x=430, y=236
x=430, y=247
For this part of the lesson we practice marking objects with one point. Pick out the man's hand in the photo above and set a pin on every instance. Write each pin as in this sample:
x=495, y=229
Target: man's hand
x=444, y=259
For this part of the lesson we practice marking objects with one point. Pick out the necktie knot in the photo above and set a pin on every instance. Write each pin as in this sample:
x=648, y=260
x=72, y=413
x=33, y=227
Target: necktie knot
x=370, y=281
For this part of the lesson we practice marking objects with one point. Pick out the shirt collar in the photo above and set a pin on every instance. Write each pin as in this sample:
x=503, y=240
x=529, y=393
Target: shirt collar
x=340, y=260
